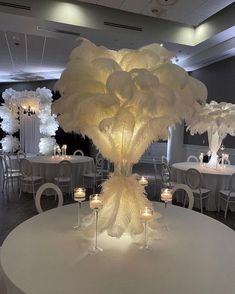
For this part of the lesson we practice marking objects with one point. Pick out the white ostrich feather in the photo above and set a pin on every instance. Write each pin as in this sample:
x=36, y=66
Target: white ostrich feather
x=124, y=100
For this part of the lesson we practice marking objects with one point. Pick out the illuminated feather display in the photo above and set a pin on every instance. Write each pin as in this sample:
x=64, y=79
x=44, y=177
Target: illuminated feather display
x=124, y=100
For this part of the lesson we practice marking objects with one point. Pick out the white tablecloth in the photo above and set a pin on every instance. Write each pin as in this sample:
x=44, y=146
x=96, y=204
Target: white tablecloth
x=47, y=167
x=213, y=179
x=45, y=255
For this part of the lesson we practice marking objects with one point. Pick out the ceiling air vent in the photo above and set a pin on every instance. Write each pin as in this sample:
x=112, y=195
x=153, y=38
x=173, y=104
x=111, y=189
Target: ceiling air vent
x=122, y=26
x=13, y=5
x=51, y=30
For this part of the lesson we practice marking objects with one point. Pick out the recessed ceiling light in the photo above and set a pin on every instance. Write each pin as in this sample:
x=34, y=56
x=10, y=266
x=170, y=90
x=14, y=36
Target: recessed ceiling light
x=158, y=11
x=166, y=2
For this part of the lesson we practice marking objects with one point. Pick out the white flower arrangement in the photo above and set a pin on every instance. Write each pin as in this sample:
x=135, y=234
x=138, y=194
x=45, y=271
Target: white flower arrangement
x=39, y=100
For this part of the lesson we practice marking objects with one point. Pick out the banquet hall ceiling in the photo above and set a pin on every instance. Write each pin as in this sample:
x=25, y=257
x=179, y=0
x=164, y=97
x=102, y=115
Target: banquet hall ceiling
x=183, y=11
x=36, y=37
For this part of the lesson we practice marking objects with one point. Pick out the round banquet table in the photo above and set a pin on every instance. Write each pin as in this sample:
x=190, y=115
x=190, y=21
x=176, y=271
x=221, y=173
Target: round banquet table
x=47, y=167
x=194, y=255
x=212, y=179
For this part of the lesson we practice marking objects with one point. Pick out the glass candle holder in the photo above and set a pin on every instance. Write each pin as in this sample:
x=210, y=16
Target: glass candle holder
x=146, y=214
x=79, y=195
x=96, y=203
x=143, y=181
x=166, y=195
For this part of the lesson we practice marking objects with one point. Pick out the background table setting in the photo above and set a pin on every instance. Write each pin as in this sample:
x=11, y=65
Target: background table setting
x=46, y=255
x=214, y=179
x=47, y=167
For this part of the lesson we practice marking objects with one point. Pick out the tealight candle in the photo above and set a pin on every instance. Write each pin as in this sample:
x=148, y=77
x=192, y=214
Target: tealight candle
x=166, y=195
x=143, y=181
x=146, y=214
x=96, y=201
x=79, y=194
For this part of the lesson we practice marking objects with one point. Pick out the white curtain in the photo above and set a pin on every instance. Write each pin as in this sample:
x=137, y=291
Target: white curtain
x=29, y=133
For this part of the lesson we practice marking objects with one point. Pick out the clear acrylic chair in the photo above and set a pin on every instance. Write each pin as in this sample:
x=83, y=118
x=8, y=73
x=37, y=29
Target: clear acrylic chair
x=228, y=196
x=91, y=180
x=8, y=176
x=64, y=176
x=78, y=152
x=166, y=177
x=193, y=179
x=28, y=180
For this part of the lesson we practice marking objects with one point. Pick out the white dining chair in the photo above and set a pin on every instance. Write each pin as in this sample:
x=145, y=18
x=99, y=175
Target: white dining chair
x=91, y=180
x=188, y=191
x=78, y=152
x=192, y=158
x=20, y=155
x=228, y=196
x=164, y=160
x=28, y=180
x=3, y=289
x=8, y=176
x=64, y=176
x=166, y=177
x=42, y=189
x=193, y=179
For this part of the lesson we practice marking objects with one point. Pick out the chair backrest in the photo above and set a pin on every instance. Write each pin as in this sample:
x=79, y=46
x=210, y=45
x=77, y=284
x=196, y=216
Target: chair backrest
x=166, y=174
x=189, y=192
x=164, y=160
x=4, y=164
x=40, y=192
x=78, y=152
x=232, y=182
x=193, y=178
x=26, y=168
x=20, y=154
x=192, y=158
x=99, y=166
x=64, y=169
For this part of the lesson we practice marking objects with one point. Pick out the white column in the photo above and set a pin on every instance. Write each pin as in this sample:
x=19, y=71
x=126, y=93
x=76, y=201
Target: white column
x=175, y=151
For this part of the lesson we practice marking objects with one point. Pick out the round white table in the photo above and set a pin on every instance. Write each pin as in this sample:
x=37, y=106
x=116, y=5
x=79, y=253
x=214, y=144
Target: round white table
x=45, y=255
x=47, y=167
x=213, y=179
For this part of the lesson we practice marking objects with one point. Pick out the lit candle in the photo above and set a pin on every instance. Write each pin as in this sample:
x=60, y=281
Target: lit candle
x=65, y=149
x=96, y=201
x=146, y=214
x=143, y=181
x=166, y=195
x=79, y=194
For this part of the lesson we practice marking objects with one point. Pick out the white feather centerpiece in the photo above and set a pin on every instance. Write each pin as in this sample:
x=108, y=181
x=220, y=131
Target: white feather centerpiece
x=218, y=120
x=124, y=100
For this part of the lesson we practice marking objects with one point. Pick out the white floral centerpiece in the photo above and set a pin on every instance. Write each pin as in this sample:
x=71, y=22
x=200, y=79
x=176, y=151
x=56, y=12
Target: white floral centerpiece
x=124, y=100
x=218, y=120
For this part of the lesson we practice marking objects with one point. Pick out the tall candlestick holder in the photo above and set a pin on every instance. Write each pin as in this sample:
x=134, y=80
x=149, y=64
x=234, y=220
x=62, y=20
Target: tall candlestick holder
x=96, y=203
x=166, y=197
x=146, y=214
x=79, y=196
